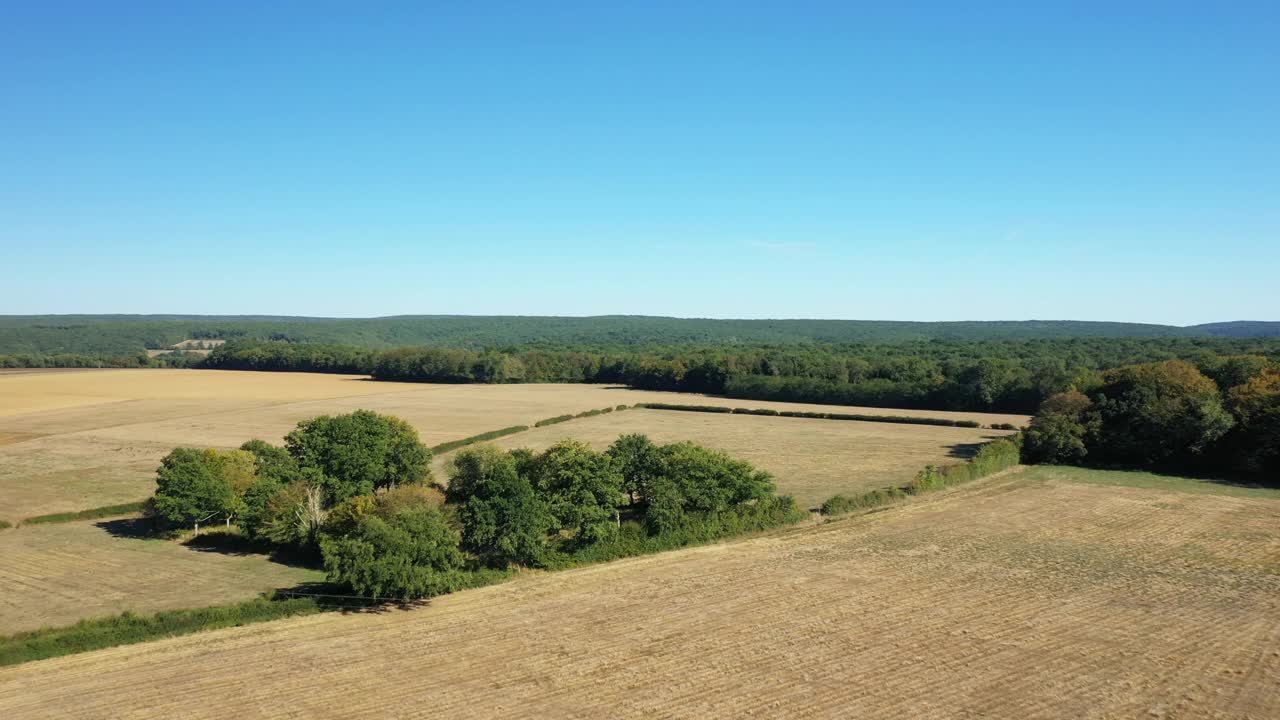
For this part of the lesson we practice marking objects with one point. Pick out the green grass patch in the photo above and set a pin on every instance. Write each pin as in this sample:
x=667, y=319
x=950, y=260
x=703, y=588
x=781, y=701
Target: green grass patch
x=129, y=628
x=5, y=524
x=1153, y=481
x=105, y=511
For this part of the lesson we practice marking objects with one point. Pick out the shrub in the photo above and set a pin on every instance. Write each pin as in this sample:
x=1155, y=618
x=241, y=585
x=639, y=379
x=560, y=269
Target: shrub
x=553, y=420
x=1004, y=426
x=5, y=524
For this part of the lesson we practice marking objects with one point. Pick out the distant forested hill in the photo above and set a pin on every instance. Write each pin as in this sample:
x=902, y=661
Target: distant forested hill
x=122, y=334
x=1240, y=328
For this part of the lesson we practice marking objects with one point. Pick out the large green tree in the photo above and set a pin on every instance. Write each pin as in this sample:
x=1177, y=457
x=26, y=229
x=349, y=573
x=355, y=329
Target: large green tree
x=192, y=486
x=358, y=453
x=411, y=554
x=1156, y=415
x=503, y=518
x=583, y=489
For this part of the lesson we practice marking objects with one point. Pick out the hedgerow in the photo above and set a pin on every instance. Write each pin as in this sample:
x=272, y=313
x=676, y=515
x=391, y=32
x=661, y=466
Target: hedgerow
x=90, y=514
x=129, y=628
x=491, y=435
x=991, y=458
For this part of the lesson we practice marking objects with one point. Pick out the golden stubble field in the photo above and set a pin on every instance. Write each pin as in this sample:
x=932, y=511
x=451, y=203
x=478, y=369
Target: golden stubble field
x=811, y=460
x=1020, y=596
x=56, y=575
x=71, y=440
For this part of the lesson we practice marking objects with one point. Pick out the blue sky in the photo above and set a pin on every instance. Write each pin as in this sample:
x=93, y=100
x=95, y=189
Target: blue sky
x=892, y=161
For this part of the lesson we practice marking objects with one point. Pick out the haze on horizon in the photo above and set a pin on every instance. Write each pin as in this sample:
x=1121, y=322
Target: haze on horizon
x=1090, y=162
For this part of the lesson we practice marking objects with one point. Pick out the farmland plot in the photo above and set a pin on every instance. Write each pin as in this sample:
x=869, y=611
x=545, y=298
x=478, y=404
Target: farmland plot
x=74, y=440
x=811, y=460
x=1021, y=596
x=59, y=574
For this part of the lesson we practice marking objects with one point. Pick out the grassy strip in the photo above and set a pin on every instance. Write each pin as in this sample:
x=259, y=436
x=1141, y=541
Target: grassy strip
x=90, y=514
x=991, y=458
x=130, y=628
x=492, y=434
x=903, y=419
x=4, y=524
x=553, y=420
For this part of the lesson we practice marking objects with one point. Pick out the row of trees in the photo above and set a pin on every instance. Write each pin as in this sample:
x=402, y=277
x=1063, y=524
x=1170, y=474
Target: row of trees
x=1167, y=416
x=354, y=489
x=1007, y=376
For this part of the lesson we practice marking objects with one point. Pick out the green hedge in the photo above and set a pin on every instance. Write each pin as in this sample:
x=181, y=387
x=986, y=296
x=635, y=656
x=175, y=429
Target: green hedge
x=687, y=408
x=840, y=504
x=492, y=434
x=553, y=420
x=130, y=628
x=633, y=539
x=5, y=524
x=90, y=514
x=991, y=458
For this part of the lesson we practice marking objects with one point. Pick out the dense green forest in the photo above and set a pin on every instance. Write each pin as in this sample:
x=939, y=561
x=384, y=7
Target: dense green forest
x=1006, y=376
x=116, y=335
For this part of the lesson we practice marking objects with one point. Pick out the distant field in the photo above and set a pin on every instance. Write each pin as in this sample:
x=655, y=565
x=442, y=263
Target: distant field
x=811, y=460
x=58, y=574
x=75, y=440
x=1018, y=597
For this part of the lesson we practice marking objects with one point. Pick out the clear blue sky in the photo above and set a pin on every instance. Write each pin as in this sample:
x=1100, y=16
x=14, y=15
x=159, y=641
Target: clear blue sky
x=945, y=161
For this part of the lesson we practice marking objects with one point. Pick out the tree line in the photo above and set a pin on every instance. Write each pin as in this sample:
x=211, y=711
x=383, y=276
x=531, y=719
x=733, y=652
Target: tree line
x=355, y=491
x=1009, y=376
x=130, y=334
x=1167, y=416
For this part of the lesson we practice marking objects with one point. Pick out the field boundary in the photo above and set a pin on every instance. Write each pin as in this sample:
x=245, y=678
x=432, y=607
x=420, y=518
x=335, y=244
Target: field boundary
x=993, y=457
x=900, y=419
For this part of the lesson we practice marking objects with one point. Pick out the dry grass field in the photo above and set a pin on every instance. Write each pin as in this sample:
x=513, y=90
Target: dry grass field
x=71, y=440
x=1021, y=596
x=811, y=460
x=59, y=574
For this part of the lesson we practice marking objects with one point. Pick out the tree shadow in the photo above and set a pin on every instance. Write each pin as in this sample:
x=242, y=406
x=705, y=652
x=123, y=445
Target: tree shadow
x=131, y=528
x=236, y=544
x=965, y=451
x=335, y=598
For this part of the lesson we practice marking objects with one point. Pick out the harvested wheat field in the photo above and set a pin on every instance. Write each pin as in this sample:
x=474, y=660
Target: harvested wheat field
x=75, y=440
x=1020, y=596
x=811, y=460
x=59, y=574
